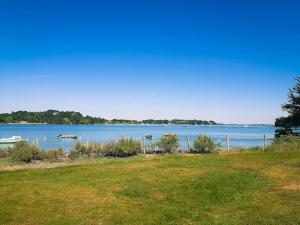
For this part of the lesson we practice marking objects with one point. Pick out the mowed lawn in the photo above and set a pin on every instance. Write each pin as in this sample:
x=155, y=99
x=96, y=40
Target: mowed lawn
x=237, y=188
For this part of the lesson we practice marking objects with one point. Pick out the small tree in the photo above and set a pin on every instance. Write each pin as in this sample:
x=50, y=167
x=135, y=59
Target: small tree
x=292, y=107
x=168, y=143
x=203, y=144
x=293, y=104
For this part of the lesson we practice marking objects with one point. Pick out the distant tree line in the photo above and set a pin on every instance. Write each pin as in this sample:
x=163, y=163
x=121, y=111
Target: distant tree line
x=180, y=122
x=71, y=117
x=49, y=117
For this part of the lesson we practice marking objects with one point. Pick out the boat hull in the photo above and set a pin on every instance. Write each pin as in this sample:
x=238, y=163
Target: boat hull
x=6, y=141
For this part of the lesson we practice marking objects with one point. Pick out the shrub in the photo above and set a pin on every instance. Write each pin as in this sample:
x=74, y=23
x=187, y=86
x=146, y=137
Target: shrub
x=168, y=143
x=51, y=154
x=84, y=149
x=88, y=149
x=4, y=153
x=24, y=152
x=122, y=148
x=281, y=132
x=203, y=144
x=97, y=149
x=73, y=154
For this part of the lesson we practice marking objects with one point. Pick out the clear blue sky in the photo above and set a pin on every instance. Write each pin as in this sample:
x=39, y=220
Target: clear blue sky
x=228, y=61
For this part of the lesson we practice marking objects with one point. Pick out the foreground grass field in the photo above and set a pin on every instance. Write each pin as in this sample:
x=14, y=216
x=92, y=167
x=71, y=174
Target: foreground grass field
x=237, y=188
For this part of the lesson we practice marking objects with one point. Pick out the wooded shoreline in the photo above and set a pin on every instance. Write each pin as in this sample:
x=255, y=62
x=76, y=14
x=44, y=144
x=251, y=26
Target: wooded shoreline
x=71, y=117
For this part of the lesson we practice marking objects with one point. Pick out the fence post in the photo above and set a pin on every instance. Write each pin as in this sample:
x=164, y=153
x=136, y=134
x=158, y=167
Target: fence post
x=188, y=142
x=265, y=142
x=227, y=141
x=144, y=146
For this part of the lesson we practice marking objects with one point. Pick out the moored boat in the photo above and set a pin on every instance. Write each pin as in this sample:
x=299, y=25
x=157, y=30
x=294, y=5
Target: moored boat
x=61, y=136
x=12, y=140
x=149, y=136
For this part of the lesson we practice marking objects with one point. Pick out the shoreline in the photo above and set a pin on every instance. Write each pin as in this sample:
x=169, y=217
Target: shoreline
x=145, y=125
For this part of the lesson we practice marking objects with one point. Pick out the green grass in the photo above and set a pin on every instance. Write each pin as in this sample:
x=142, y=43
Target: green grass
x=9, y=162
x=238, y=188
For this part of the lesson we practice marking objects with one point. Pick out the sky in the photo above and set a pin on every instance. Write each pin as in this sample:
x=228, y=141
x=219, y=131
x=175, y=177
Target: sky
x=227, y=61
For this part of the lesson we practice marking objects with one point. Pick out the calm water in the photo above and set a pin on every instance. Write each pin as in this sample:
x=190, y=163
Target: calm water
x=47, y=134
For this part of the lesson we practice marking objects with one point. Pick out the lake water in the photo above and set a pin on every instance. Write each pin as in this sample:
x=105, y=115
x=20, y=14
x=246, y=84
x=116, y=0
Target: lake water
x=47, y=134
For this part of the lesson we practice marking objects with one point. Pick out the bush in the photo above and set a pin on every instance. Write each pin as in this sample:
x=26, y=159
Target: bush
x=4, y=153
x=84, y=149
x=168, y=143
x=203, y=144
x=73, y=154
x=51, y=154
x=88, y=149
x=24, y=152
x=122, y=148
x=283, y=132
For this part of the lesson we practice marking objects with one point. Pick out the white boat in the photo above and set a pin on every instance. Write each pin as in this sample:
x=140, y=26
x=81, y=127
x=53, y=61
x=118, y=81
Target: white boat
x=12, y=140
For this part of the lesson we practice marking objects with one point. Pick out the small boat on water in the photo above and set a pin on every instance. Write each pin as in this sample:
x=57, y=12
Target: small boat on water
x=12, y=140
x=61, y=136
x=149, y=136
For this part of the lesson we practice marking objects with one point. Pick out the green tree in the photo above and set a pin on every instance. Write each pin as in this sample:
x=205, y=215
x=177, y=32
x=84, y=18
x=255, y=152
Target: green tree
x=292, y=107
x=8, y=119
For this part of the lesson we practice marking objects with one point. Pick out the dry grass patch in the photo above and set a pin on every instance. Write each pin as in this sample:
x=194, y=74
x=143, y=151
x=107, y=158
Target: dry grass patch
x=149, y=163
x=292, y=187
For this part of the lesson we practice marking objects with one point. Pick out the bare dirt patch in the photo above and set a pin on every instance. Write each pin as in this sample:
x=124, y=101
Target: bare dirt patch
x=292, y=187
x=40, y=165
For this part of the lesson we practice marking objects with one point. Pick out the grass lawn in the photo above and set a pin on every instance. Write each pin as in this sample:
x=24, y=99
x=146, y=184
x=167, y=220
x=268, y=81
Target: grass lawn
x=238, y=188
x=9, y=162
